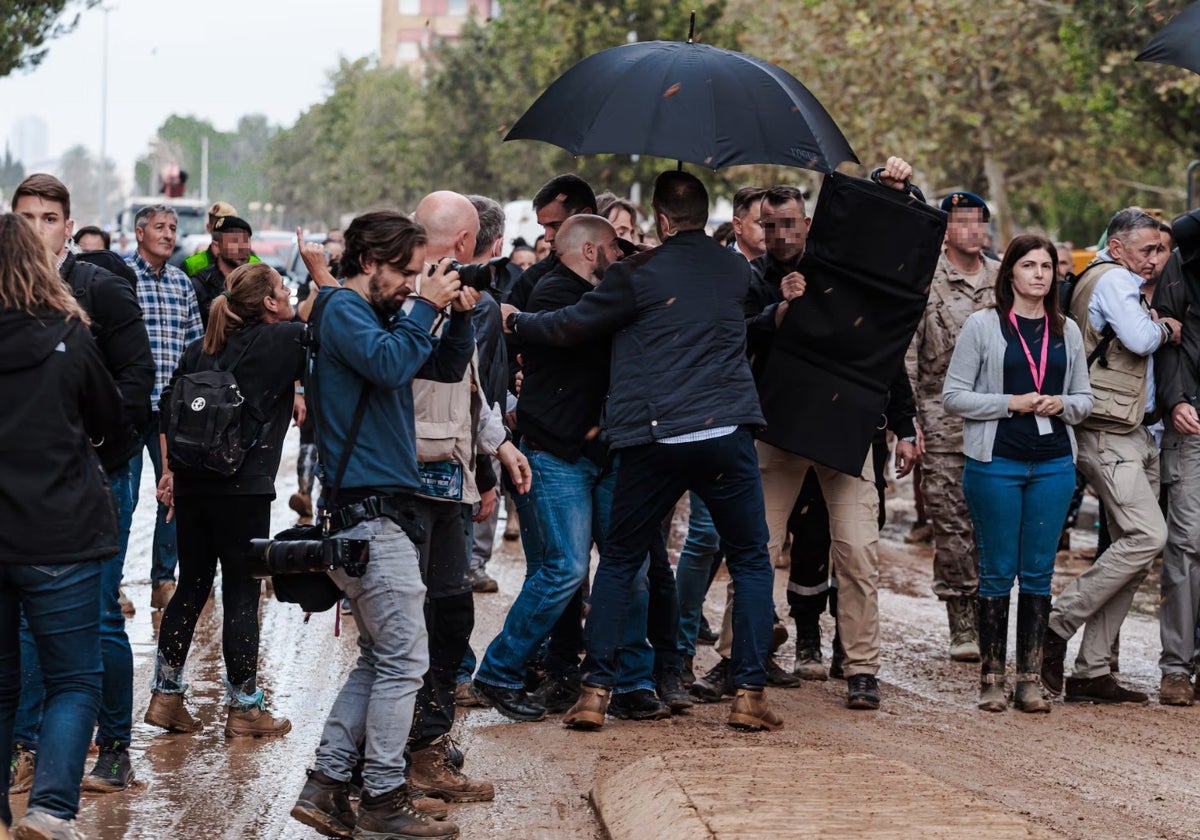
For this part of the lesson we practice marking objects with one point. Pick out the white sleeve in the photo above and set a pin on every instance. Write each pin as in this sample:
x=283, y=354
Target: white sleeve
x=1116, y=300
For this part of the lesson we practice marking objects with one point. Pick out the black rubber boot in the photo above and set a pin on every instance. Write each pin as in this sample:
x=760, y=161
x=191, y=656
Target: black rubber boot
x=993, y=650
x=1033, y=616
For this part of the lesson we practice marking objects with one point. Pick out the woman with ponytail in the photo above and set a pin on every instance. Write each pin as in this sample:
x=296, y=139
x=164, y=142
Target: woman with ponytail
x=251, y=334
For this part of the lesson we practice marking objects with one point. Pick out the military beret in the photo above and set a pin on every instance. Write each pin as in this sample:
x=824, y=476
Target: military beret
x=228, y=223
x=962, y=199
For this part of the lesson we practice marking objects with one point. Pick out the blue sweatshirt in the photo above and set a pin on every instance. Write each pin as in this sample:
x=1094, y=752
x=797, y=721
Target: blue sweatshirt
x=356, y=350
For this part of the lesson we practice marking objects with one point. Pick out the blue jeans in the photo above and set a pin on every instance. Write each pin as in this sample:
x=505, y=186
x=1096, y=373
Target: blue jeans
x=375, y=706
x=116, y=707
x=694, y=571
x=164, y=555
x=1017, y=508
x=650, y=479
x=567, y=508
x=62, y=605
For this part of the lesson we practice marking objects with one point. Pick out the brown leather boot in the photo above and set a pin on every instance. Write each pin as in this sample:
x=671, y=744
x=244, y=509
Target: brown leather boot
x=588, y=711
x=168, y=711
x=254, y=722
x=431, y=772
x=750, y=712
x=433, y=808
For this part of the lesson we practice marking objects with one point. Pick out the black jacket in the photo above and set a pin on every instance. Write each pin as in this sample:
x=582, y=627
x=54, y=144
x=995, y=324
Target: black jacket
x=208, y=283
x=120, y=333
x=676, y=314
x=266, y=376
x=563, y=392
x=55, y=502
x=518, y=296
x=1177, y=367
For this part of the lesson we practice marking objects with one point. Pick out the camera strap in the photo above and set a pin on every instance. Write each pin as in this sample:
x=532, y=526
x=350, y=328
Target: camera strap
x=360, y=409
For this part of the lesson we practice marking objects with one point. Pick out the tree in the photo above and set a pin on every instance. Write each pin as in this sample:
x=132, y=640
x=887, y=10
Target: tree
x=26, y=25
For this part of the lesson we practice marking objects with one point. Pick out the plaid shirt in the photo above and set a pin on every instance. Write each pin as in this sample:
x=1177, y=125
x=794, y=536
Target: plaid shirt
x=172, y=318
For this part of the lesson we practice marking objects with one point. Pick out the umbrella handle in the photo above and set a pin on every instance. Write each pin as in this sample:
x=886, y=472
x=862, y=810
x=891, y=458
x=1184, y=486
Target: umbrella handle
x=692, y=28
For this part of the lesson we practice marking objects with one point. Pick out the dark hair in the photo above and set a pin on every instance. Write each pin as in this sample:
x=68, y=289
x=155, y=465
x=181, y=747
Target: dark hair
x=45, y=187
x=607, y=203
x=1017, y=249
x=246, y=286
x=744, y=198
x=576, y=194
x=780, y=195
x=723, y=233
x=380, y=236
x=92, y=230
x=491, y=222
x=682, y=197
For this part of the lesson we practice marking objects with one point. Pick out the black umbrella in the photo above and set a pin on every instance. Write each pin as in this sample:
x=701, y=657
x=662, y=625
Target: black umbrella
x=688, y=102
x=1177, y=43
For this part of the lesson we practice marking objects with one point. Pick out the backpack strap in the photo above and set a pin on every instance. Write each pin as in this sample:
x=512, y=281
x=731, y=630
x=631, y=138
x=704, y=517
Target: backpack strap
x=1108, y=334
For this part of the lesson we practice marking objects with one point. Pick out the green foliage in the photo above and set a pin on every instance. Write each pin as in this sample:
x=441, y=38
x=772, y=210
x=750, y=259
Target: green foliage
x=26, y=25
x=12, y=173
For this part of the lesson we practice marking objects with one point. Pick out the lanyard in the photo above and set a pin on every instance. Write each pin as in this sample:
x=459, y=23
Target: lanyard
x=1038, y=374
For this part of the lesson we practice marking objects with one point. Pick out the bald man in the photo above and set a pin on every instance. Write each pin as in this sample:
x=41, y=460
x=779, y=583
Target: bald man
x=558, y=416
x=448, y=441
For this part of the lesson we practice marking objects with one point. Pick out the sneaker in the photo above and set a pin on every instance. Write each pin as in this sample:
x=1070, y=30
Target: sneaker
x=127, y=608
x=780, y=677
x=641, y=704
x=673, y=692
x=556, y=695
x=160, y=594
x=112, y=772
x=466, y=697
x=1103, y=689
x=1176, y=690
x=513, y=703
x=394, y=815
x=38, y=825
x=862, y=692
x=168, y=711
x=431, y=772
x=20, y=772
x=255, y=722
x=751, y=713
x=706, y=635
x=714, y=685
x=481, y=582
x=324, y=805
x=588, y=711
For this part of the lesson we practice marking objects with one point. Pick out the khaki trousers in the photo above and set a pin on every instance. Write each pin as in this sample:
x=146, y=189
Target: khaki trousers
x=853, y=503
x=1124, y=472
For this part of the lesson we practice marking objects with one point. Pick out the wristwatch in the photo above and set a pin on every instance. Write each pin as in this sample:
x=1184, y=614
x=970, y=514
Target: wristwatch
x=510, y=323
x=910, y=439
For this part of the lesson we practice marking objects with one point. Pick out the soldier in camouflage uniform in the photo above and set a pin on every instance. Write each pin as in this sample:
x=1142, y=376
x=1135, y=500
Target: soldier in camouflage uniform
x=962, y=283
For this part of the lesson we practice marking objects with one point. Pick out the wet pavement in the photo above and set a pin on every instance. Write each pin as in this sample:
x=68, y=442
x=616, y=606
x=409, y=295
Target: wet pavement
x=1081, y=771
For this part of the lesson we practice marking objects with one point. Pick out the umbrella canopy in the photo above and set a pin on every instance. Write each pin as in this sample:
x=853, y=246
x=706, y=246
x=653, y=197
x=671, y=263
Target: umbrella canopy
x=1177, y=43
x=689, y=102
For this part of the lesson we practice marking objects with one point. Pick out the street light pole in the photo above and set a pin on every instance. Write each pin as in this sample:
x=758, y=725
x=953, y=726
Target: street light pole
x=102, y=187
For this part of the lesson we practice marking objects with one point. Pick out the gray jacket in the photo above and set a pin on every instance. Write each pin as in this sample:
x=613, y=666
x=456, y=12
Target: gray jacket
x=974, y=387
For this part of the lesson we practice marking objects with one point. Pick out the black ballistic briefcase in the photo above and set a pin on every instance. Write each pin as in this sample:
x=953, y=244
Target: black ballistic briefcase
x=870, y=258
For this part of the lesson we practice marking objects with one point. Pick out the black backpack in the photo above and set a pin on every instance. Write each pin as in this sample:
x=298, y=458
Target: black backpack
x=205, y=430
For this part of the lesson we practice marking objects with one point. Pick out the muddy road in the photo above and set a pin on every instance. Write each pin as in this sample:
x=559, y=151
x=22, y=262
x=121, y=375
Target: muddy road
x=1082, y=771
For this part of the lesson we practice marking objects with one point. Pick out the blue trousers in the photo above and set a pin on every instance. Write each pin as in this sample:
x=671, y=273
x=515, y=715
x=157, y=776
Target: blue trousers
x=164, y=555
x=1017, y=508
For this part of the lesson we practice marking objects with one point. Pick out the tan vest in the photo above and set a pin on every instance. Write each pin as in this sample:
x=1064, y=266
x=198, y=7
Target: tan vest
x=1120, y=388
x=446, y=415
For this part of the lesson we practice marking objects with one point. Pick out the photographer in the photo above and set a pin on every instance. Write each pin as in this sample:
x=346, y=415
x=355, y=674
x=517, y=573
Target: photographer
x=251, y=335
x=365, y=346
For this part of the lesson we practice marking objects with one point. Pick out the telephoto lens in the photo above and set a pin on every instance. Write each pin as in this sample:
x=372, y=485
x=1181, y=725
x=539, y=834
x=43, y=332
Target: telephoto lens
x=292, y=557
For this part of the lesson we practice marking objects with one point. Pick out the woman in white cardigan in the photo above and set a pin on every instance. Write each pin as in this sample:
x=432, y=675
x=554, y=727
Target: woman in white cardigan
x=1019, y=379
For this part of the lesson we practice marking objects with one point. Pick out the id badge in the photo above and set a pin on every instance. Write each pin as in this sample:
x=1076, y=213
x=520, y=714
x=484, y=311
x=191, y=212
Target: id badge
x=1045, y=427
x=441, y=480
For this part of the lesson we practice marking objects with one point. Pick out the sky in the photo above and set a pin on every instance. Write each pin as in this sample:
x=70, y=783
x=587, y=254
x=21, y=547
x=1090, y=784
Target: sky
x=216, y=60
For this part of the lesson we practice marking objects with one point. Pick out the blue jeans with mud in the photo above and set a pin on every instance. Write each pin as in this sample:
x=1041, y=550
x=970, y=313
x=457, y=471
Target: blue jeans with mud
x=61, y=603
x=566, y=510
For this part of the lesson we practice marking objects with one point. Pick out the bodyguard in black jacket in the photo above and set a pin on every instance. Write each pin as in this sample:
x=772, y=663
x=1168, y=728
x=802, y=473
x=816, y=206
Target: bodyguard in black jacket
x=681, y=409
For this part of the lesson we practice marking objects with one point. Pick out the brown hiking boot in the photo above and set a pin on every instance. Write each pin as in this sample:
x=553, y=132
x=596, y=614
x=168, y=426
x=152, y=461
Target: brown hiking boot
x=324, y=805
x=588, y=711
x=432, y=773
x=1176, y=690
x=160, y=594
x=168, y=711
x=431, y=807
x=23, y=766
x=127, y=608
x=395, y=815
x=255, y=722
x=750, y=712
